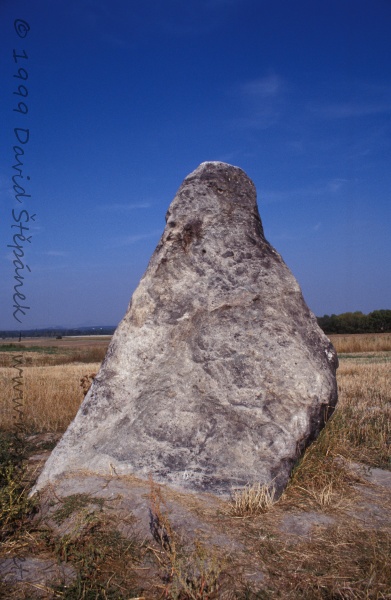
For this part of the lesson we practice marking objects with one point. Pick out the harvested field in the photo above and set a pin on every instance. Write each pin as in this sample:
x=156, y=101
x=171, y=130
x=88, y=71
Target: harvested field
x=361, y=342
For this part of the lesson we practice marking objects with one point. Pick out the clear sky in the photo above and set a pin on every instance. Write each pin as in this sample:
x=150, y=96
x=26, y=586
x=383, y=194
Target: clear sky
x=125, y=98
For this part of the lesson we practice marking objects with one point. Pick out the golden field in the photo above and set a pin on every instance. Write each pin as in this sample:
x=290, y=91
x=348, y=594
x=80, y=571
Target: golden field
x=361, y=342
x=52, y=396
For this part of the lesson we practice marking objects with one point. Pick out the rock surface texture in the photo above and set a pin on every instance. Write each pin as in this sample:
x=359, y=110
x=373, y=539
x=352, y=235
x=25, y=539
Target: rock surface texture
x=218, y=376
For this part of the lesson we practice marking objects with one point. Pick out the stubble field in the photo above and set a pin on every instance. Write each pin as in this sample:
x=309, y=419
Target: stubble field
x=348, y=559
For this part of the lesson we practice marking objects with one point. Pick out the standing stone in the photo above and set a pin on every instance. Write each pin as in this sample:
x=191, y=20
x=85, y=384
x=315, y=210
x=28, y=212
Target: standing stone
x=218, y=376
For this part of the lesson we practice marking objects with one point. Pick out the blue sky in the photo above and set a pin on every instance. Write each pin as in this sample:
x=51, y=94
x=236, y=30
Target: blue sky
x=126, y=98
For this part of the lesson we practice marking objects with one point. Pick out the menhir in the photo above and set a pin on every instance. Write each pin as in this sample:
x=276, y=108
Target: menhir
x=218, y=376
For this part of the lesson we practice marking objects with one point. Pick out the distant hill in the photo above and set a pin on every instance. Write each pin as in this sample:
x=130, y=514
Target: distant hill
x=58, y=331
x=378, y=321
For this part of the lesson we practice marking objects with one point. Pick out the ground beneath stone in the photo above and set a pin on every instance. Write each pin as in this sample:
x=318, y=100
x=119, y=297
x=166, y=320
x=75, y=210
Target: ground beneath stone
x=195, y=518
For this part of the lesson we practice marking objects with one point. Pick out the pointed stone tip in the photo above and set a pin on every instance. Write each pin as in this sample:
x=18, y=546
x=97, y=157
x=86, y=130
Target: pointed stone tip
x=213, y=165
x=228, y=177
x=211, y=180
x=216, y=163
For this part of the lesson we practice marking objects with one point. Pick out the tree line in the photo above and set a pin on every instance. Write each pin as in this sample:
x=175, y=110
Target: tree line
x=378, y=321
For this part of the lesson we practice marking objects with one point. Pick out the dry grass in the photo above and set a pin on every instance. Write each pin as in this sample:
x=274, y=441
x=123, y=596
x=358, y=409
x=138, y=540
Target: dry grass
x=343, y=562
x=37, y=356
x=359, y=430
x=362, y=427
x=52, y=396
x=186, y=574
x=361, y=342
x=252, y=500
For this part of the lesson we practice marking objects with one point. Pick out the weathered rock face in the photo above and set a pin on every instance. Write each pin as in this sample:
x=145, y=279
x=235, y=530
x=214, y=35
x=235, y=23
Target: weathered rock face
x=218, y=375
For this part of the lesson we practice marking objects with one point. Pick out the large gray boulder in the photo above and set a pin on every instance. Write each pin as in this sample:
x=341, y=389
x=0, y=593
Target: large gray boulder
x=218, y=376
